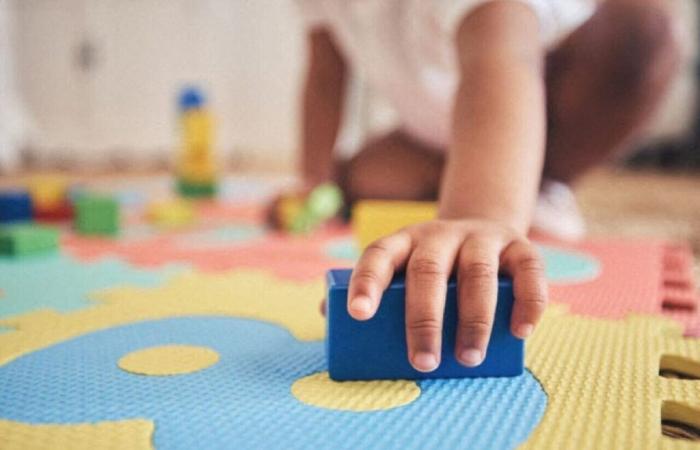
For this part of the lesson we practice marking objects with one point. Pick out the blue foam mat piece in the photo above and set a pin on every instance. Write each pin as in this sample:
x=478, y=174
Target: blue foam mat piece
x=376, y=348
x=244, y=401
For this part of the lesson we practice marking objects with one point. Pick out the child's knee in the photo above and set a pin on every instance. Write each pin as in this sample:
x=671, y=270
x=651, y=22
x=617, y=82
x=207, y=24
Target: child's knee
x=644, y=36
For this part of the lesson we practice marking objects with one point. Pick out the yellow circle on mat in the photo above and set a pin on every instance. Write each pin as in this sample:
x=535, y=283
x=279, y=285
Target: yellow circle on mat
x=319, y=390
x=168, y=360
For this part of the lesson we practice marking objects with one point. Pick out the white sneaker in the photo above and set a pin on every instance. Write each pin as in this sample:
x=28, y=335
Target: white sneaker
x=556, y=212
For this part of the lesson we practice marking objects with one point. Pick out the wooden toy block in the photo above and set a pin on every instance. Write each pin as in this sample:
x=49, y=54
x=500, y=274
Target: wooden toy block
x=96, y=215
x=27, y=239
x=15, y=206
x=171, y=214
x=376, y=348
x=373, y=219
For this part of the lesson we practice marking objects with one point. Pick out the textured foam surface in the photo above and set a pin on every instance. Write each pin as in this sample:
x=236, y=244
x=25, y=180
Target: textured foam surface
x=168, y=360
x=591, y=384
x=246, y=400
x=603, y=384
x=360, y=396
x=650, y=277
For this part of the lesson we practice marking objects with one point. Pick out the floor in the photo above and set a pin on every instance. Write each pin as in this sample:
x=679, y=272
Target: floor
x=631, y=203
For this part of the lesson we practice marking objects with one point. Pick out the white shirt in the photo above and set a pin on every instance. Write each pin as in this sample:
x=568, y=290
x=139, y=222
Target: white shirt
x=405, y=49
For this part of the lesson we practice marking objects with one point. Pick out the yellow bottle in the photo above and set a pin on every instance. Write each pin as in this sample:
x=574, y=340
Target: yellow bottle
x=196, y=166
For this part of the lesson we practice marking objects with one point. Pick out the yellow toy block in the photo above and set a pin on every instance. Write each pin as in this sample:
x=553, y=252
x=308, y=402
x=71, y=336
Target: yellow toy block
x=171, y=214
x=373, y=219
x=47, y=191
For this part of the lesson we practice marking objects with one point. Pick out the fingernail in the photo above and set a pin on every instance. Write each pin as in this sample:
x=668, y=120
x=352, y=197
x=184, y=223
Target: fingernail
x=524, y=330
x=361, y=305
x=471, y=357
x=425, y=362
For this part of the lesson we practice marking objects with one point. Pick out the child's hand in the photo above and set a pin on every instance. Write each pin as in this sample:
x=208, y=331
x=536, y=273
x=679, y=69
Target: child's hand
x=475, y=249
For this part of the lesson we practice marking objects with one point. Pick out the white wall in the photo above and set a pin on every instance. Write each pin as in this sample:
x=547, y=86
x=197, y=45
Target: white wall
x=15, y=125
x=248, y=56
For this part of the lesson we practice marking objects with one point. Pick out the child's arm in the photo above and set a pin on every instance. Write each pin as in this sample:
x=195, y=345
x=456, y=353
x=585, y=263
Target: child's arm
x=322, y=107
x=489, y=189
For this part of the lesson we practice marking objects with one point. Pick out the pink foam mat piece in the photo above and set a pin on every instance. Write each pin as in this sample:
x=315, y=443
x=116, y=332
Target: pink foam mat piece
x=643, y=277
x=301, y=258
x=636, y=276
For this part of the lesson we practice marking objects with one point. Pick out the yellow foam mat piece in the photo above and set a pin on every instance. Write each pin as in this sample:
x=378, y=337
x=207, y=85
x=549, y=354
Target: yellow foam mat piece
x=118, y=435
x=373, y=219
x=171, y=214
x=294, y=306
x=168, y=360
x=601, y=376
x=360, y=396
x=603, y=385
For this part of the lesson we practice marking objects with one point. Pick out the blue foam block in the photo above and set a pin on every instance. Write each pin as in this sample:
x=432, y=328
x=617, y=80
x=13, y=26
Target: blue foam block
x=15, y=206
x=376, y=348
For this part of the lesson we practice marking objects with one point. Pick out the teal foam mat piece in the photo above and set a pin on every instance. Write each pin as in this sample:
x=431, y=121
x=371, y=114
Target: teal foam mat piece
x=566, y=266
x=244, y=401
x=61, y=283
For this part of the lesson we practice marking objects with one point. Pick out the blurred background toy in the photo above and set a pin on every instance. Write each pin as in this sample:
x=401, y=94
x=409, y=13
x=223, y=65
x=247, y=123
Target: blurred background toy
x=27, y=239
x=196, y=172
x=296, y=214
x=50, y=198
x=15, y=206
x=97, y=215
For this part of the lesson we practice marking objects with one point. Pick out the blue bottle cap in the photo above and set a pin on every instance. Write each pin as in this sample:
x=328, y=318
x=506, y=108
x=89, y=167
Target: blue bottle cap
x=191, y=98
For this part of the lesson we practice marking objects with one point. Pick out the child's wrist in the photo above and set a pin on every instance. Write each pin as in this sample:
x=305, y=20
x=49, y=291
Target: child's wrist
x=508, y=221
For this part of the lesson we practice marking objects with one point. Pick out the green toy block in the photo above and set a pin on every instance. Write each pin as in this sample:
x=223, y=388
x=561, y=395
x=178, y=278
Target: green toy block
x=96, y=215
x=196, y=190
x=27, y=239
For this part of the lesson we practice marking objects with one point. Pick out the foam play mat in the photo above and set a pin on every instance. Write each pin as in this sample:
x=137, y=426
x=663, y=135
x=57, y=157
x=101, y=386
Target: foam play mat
x=210, y=336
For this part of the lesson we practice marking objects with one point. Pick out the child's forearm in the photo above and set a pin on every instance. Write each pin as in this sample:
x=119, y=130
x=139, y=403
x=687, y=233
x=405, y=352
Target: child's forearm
x=498, y=141
x=322, y=107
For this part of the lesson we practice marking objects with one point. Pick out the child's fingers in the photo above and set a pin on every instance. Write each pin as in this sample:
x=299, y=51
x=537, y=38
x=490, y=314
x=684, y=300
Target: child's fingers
x=523, y=262
x=477, y=278
x=428, y=268
x=373, y=272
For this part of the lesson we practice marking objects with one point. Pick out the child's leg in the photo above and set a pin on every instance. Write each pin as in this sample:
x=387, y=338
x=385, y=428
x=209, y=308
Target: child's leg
x=393, y=166
x=605, y=81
